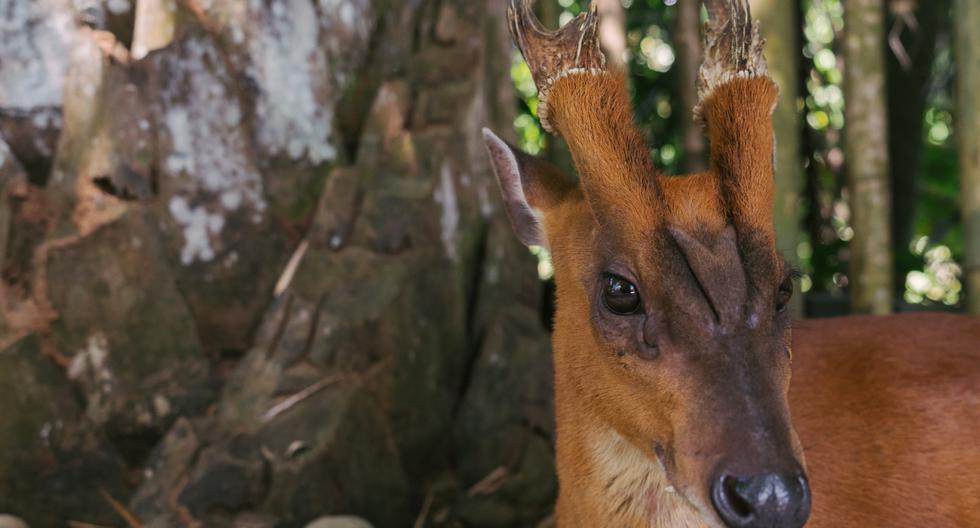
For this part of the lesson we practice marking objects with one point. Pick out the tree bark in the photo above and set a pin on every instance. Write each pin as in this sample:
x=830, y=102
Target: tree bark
x=968, y=131
x=264, y=268
x=866, y=151
x=612, y=31
x=688, y=42
x=781, y=27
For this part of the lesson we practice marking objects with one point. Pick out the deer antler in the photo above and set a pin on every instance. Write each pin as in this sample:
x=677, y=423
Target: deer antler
x=552, y=55
x=589, y=107
x=736, y=101
x=733, y=47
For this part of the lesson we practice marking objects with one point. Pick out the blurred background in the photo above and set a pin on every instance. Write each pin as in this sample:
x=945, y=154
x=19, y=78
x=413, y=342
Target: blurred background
x=255, y=271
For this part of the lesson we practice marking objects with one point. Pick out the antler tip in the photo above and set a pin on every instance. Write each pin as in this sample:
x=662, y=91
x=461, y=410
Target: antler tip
x=733, y=47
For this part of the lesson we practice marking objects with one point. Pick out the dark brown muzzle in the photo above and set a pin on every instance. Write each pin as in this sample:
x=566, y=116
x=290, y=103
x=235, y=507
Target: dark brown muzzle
x=769, y=500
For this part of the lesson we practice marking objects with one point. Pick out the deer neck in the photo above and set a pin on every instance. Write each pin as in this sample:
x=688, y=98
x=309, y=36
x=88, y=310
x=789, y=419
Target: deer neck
x=606, y=480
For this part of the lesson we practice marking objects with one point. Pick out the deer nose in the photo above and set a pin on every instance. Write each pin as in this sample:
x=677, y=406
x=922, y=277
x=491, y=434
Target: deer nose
x=770, y=500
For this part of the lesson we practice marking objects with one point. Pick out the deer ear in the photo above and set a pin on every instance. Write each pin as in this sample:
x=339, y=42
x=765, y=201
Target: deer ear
x=529, y=186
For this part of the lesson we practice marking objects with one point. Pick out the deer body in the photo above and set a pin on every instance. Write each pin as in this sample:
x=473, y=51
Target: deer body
x=888, y=410
x=672, y=345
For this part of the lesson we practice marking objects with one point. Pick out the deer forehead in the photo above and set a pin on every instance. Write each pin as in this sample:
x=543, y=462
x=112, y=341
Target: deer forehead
x=688, y=233
x=646, y=204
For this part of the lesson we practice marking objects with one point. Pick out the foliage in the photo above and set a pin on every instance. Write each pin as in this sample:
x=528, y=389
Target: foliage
x=823, y=253
x=939, y=241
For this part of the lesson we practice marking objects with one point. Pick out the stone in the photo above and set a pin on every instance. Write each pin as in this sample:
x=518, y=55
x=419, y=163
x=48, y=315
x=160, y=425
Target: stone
x=339, y=522
x=63, y=467
x=9, y=521
x=164, y=470
x=37, y=41
x=505, y=421
x=336, y=211
x=113, y=303
x=212, y=202
x=255, y=520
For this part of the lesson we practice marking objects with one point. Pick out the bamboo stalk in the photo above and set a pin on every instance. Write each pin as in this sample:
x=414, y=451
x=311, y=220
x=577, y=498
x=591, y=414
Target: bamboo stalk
x=866, y=151
x=780, y=27
x=967, y=21
x=688, y=37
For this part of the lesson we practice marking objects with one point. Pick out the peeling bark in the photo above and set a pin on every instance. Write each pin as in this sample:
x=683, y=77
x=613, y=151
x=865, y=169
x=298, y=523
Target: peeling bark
x=262, y=249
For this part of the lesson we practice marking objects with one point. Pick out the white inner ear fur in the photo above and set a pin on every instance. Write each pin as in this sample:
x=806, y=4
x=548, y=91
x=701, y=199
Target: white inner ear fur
x=526, y=220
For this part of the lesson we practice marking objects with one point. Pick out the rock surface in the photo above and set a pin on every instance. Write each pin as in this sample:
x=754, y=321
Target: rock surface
x=9, y=521
x=55, y=464
x=339, y=522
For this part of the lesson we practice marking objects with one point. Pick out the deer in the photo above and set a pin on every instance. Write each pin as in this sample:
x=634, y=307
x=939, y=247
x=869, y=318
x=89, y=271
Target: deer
x=673, y=348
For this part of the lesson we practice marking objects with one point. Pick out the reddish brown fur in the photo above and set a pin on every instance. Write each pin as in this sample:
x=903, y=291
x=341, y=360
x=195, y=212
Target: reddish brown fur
x=887, y=410
x=848, y=372
x=694, y=201
x=595, y=116
x=739, y=121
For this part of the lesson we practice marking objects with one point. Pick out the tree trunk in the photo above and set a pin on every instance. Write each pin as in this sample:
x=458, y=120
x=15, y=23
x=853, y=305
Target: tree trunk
x=968, y=130
x=263, y=271
x=781, y=27
x=688, y=42
x=866, y=151
x=612, y=31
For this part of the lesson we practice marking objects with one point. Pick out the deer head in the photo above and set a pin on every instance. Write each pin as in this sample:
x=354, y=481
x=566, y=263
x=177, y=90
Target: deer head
x=672, y=342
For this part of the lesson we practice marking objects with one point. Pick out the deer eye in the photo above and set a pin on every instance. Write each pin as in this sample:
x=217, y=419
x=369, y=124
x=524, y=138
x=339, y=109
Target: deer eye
x=784, y=294
x=620, y=295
